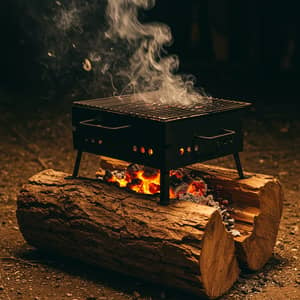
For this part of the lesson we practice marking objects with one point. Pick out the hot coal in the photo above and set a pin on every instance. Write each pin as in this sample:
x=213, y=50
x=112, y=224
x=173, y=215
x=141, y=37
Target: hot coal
x=149, y=172
x=133, y=168
x=135, y=182
x=175, y=181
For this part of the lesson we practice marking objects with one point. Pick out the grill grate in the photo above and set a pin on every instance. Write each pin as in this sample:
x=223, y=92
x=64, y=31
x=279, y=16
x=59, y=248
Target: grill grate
x=131, y=105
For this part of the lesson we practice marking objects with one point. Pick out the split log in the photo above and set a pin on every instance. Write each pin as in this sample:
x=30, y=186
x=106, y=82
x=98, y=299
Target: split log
x=183, y=245
x=257, y=202
x=257, y=207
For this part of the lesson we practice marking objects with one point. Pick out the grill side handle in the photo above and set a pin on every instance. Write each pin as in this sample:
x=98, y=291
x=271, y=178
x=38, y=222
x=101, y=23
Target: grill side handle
x=227, y=132
x=89, y=123
x=217, y=140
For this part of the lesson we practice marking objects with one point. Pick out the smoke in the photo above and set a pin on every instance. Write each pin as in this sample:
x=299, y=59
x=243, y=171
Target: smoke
x=150, y=68
x=99, y=48
x=67, y=18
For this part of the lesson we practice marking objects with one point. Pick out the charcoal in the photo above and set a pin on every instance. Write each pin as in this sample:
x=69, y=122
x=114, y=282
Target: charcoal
x=174, y=181
x=195, y=174
x=154, y=188
x=179, y=173
x=108, y=175
x=136, y=181
x=187, y=178
x=133, y=168
x=118, y=174
x=150, y=172
x=197, y=178
x=181, y=189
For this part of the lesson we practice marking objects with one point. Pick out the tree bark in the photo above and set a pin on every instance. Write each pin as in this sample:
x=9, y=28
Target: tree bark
x=183, y=245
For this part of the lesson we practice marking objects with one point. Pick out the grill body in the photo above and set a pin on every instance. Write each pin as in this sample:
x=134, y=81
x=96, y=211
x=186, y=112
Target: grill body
x=160, y=136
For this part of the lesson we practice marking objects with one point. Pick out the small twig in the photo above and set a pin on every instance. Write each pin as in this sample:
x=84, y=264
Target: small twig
x=42, y=163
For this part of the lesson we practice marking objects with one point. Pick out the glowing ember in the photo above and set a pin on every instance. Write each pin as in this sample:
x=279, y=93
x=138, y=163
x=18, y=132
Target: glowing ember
x=145, y=180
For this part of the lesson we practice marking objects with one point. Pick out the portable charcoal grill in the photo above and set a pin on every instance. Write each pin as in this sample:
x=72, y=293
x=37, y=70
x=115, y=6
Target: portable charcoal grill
x=157, y=135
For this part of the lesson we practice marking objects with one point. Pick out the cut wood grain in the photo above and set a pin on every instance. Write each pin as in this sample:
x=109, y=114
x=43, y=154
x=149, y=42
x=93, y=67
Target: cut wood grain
x=257, y=202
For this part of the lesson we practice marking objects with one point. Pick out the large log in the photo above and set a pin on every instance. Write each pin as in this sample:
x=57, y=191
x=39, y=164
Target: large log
x=257, y=207
x=183, y=245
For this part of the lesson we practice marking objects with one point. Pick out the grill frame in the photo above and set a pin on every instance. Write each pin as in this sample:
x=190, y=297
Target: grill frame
x=217, y=133
x=130, y=105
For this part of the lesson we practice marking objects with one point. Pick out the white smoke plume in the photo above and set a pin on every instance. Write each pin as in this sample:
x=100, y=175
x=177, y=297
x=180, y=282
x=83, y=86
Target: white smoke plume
x=68, y=18
x=150, y=69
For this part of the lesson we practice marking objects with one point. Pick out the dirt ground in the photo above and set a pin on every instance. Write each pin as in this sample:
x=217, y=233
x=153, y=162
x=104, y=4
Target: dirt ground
x=36, y=134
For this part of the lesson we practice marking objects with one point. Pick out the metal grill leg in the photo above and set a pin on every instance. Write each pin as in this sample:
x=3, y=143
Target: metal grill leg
x=77, y=163
x=238, y=165
x=164, y=186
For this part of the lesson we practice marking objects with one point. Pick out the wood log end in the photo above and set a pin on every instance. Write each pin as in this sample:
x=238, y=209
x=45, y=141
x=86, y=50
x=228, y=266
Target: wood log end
x=218, y=263
x=255, y=250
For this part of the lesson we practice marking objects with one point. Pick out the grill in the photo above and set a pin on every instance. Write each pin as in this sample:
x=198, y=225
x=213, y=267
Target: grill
x=158, y=135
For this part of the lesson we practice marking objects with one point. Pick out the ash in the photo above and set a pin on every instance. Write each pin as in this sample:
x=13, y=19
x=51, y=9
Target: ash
x=118, y=174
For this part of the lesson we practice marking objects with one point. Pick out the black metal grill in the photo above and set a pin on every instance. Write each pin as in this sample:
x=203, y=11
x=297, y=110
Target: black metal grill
x=133, y=106
x=158, y=135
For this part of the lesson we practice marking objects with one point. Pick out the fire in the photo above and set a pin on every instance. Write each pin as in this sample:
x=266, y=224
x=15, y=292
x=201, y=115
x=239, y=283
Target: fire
x=146, y=184
x=147, y=181
x=197, y=188
x=139, y=181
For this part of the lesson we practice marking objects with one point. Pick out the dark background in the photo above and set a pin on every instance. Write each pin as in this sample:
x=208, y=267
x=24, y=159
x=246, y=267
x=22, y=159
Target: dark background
x=236, y=49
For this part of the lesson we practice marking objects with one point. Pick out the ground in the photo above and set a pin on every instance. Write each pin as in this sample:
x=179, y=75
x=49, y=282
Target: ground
x=36, y=134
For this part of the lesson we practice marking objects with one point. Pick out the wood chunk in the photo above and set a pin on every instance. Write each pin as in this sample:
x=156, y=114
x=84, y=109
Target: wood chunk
x=257, y=202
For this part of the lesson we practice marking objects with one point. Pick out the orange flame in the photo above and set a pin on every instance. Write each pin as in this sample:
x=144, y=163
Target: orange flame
x=142, y=182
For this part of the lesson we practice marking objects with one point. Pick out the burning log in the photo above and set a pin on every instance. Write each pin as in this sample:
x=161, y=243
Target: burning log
x=255, y=208
x=183, y=245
